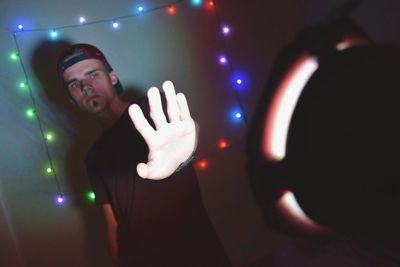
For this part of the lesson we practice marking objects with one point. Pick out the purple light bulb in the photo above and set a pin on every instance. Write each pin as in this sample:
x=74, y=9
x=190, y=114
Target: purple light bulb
x=60, y=200
x=222, y=60
x=226, y=30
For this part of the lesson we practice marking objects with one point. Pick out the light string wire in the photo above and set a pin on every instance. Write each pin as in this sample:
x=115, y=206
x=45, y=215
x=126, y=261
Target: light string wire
x=239, y=142
x=102, y=20
x=37, y=115
x=35, y=106
x=230, y=66
x=28, y=84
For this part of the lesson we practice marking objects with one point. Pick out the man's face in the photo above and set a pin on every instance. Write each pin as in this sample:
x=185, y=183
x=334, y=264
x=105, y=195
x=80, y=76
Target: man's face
x=90, y=85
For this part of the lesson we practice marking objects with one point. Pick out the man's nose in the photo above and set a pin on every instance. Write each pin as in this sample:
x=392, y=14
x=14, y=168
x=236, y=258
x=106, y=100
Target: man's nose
x=86, y=87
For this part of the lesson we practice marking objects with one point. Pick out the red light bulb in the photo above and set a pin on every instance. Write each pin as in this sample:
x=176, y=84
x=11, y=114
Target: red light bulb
x=171, y=10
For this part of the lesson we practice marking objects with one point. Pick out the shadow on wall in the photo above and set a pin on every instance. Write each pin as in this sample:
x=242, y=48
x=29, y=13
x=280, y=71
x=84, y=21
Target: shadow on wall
x=82, y=130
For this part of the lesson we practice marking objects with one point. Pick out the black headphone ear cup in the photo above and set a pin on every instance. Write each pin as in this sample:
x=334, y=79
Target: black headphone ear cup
x=342, y=146
x=276, y=176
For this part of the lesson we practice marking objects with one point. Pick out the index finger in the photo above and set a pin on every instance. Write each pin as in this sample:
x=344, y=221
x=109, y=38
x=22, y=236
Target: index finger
x=140, y=122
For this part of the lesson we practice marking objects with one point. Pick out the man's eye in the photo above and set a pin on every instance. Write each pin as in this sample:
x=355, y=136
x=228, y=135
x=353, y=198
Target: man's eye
x=74, y=85
x=93, y=75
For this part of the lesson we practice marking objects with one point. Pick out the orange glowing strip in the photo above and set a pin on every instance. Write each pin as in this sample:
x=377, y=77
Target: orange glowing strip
x=276, y=129
x=295, y=216
x=277, y=121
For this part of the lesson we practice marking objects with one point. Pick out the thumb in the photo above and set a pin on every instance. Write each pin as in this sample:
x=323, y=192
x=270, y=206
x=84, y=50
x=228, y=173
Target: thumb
x=142, y=170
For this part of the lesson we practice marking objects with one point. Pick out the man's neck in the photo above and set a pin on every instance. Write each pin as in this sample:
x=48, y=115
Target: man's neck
x=110, y=115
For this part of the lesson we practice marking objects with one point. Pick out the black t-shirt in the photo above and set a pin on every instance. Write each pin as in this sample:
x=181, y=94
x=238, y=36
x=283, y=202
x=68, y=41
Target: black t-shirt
x=160, y=223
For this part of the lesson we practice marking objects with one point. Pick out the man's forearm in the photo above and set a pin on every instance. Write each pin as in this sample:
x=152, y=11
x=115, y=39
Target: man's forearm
x=113, y=246
x=112, y=229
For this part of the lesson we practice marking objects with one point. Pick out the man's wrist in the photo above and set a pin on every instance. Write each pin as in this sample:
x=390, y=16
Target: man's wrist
x=185, y=163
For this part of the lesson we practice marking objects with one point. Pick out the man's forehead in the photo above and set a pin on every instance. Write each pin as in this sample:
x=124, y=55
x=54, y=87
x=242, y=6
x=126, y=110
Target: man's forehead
x=83, y=66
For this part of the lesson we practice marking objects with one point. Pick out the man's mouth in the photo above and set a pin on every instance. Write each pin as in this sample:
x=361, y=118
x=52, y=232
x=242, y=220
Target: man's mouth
x=93, y=101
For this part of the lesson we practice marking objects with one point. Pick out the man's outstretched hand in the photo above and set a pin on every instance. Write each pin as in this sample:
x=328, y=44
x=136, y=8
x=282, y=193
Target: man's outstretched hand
x=173, y=141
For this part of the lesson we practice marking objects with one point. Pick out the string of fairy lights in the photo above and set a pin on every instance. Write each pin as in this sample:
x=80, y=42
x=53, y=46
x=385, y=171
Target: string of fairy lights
x=238, y=81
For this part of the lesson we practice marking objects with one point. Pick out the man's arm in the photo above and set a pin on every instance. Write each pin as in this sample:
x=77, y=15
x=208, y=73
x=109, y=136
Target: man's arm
x=112, y=227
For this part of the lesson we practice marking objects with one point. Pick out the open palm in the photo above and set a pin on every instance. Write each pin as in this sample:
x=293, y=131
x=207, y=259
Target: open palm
x=173, y=141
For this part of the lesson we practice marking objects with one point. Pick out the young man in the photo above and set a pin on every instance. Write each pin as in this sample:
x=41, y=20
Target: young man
x=151, y=221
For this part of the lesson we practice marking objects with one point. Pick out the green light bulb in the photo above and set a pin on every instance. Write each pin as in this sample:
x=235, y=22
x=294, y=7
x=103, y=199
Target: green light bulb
x=14, y=56
x=30, y=113
x=49, y=137
x=22, y=85
x=90, y=196
x=49, y=170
